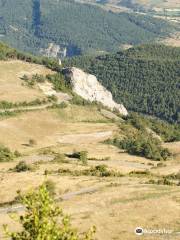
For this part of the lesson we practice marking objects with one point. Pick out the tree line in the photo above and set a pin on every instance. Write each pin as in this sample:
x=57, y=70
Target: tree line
x=145, y=79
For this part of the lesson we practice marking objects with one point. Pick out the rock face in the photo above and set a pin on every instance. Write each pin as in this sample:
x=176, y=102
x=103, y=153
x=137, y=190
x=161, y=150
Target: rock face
x=88, y=87
x=54, y=51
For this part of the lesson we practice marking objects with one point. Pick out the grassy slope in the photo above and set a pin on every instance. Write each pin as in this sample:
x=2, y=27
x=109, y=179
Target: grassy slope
x=127, y=201
x=12, y=89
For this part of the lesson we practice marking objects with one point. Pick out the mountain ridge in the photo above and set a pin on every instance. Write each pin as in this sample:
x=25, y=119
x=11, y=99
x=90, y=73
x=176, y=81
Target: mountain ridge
x=41, y=23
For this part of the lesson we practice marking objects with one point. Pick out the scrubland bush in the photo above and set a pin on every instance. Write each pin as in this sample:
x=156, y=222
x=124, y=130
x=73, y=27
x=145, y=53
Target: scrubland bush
x=83, y=157
x=52, y=98
x=142, y=145
x=97, y=171
x=5, y=154
x=22, y=167
x=32, y=142
x=17, y=154
x=44, y=220
x=50, y=186
x=63, y=105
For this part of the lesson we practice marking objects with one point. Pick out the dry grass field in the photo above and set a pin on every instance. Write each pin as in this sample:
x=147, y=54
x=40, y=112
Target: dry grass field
x=173, y=41
x=160, y=3
x=47, y=127
x=154, y=3
x=117, y=205
x=11, y=84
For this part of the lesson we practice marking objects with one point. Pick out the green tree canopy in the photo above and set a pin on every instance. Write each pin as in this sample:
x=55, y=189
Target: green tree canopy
x=43, y=220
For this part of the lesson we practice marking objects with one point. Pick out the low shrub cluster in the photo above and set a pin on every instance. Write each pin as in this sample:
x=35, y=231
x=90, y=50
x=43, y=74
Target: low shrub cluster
x=43, y=219
x=59, y=82
x=171, y=179
x=161, y=164
x=5, y=154
x=81, y=156
x=142, y=145
x=9, y=105
x=163, y=181
x=22, y=167
x=139, y=173
x=174, y=176
x=136, y=121
x=97, y=171
x=78, y=100
x=6, y=114
x=102, y=171
x=30, y=81
x=62, y=105
x=168, y=132
x=32, y=142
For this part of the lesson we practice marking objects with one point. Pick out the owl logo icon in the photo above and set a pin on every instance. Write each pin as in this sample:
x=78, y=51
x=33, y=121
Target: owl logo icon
x=139, y=231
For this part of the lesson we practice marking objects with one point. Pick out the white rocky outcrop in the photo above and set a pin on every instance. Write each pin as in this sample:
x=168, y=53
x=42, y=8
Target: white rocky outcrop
x=88, y=87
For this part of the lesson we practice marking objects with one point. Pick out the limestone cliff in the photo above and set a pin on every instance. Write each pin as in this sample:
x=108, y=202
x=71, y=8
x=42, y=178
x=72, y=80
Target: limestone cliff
x=88, y=87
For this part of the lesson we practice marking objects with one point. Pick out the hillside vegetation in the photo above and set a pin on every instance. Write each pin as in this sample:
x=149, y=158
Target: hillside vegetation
x=31, y=25
x=102, y=169
x=145, y=79
x=7, y=52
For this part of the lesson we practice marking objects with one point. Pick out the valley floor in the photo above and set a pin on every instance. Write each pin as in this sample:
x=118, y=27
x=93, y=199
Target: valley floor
x=116, y=205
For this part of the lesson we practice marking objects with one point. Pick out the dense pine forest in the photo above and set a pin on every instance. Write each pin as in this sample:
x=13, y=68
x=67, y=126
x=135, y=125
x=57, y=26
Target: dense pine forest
x=145, y=78
x=31, y=24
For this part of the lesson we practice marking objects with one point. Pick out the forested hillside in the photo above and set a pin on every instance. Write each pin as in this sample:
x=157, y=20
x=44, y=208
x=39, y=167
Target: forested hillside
x=145, y=79
x=31, y=24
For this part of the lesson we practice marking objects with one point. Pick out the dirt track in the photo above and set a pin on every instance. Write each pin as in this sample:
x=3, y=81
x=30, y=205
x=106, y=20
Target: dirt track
x=27, y=108
x=67, y=196
x=88, y=137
